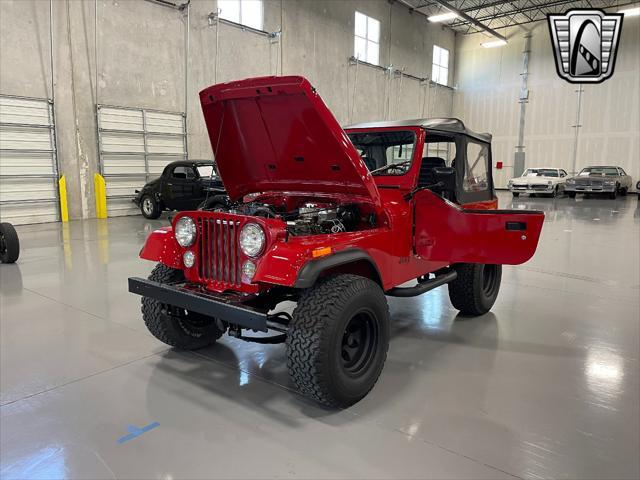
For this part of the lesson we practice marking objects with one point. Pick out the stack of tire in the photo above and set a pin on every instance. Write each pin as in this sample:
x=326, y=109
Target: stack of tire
x=9, y=243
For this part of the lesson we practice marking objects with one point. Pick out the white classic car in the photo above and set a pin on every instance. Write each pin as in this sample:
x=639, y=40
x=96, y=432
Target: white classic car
x=547, y=181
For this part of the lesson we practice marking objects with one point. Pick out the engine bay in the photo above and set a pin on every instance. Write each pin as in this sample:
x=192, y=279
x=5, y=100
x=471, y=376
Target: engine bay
x=304, y=216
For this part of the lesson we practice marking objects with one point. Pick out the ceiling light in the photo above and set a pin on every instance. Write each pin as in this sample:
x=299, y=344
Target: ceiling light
x=630, y=12
x=494, y=43
x=443, y=17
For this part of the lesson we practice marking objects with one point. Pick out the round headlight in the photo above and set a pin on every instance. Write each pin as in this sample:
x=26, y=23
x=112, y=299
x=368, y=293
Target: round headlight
x=252, y=239
x=185, y=231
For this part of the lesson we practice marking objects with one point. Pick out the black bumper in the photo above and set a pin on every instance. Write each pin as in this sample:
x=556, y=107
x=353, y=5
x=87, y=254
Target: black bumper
x=223, y=307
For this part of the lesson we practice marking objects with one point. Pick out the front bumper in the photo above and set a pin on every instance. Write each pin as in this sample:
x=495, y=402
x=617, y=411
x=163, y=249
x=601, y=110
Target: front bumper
x=193, y=297
x=590, y=188
x=138, y=198
x=530, y=189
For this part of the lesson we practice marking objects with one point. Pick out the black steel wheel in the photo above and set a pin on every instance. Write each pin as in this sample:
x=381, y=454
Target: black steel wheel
x=9, y=243
x=338, y=339
x=150, y=208
x=176, y=326
x=476, y=287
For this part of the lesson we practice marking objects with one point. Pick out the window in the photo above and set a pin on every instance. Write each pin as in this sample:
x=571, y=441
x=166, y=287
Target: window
x=622, y=172
x=440, y=70
x=540, y=172
x=445, y=149
x=244, y=12
x=206, y=171
x=366, y=43
x=476, y=178
x=563, y=173
x=183, y=172
x=381, y=149
x=600, y=171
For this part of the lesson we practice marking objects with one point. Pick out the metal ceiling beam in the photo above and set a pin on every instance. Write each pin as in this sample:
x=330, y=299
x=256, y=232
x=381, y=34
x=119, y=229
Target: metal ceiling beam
x=541, y=8
x=471, y=20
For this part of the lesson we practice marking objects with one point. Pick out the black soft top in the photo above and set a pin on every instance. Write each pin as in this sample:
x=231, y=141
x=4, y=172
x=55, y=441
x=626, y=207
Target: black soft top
x=446, y=125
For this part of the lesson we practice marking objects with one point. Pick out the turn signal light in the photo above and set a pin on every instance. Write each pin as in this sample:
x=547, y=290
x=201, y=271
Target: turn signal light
x=321, y=252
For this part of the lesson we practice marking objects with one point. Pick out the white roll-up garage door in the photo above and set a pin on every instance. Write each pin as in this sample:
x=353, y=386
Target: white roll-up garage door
x=28, y=166
x=135, y=145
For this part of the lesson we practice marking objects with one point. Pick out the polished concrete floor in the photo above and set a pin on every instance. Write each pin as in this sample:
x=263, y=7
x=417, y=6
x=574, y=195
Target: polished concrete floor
x=544, y=386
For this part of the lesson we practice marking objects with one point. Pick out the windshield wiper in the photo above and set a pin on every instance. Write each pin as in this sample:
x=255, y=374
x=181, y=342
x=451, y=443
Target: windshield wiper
x=391, y=165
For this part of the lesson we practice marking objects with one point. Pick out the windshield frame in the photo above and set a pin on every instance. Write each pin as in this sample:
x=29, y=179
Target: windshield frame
x=537, y=170
x=586, y=172
x=379, y=131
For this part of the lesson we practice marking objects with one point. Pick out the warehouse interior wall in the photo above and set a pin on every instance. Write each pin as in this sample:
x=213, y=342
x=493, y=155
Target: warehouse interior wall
x=137, y=53
x=488, y=89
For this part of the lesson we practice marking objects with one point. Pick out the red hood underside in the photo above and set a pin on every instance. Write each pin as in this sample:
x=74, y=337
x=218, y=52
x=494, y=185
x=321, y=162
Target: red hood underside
x=276, y=134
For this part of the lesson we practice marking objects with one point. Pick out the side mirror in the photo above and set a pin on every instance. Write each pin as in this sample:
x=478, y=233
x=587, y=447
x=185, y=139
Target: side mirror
x=446, y=178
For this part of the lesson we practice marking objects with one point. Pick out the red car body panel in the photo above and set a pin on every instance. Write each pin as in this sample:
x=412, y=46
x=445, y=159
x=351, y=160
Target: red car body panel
x=275, y=135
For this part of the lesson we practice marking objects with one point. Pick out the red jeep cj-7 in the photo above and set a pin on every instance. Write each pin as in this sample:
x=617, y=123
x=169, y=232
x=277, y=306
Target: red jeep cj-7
x=334, y=220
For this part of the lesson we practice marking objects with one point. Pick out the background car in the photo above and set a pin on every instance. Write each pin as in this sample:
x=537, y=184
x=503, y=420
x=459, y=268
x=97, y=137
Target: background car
x=183, y=185
x=599, y=179
x=543, y=180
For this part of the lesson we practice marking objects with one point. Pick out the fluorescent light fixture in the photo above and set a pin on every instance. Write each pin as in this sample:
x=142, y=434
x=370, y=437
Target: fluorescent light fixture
x=630, y=12
x=494, y=43
x=443, y=17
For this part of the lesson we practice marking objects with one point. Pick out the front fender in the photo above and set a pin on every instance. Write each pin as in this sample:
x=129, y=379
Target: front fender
x=161, y=246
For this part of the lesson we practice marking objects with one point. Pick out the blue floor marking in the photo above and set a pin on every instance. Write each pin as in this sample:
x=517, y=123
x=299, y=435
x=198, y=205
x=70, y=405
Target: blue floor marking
x=136, y=432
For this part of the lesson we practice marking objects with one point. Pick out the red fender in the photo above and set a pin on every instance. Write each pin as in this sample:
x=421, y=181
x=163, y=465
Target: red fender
x=161, y=246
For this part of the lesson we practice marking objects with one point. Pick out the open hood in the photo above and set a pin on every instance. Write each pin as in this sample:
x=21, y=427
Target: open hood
x=276, y=134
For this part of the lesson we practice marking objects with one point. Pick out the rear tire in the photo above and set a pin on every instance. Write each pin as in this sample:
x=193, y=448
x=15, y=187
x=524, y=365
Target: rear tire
x=338, y=340
x=150, y=208
x=9, y=243
x=476, y=288
x=175, y=326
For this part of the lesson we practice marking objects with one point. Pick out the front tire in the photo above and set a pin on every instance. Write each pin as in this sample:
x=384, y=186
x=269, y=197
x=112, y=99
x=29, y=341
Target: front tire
x=9, y=243
x=613, y=195
x=476, y=287
x=571, y=194
x=338, y=340
x=515, y=194
x=175, y=326
x=150, y=208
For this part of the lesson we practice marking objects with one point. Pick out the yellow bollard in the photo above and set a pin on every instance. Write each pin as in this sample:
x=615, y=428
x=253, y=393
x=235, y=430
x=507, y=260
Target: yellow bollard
x=101, y=195
x=64, y=207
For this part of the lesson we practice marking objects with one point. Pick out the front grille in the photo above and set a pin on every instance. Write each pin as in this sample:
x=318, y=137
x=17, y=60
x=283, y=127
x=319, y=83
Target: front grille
x=539, y=187
x=219, y=253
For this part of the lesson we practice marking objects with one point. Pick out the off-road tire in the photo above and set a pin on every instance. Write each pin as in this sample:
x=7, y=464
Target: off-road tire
x=316, y=336
x=515, y=194
x=470, y=293
x=188, y=332
x=9, y=243
x=571, y=194
x=155, y=210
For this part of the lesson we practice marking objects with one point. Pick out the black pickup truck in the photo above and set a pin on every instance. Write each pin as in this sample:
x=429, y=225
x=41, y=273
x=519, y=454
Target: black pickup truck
x=183, y=185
